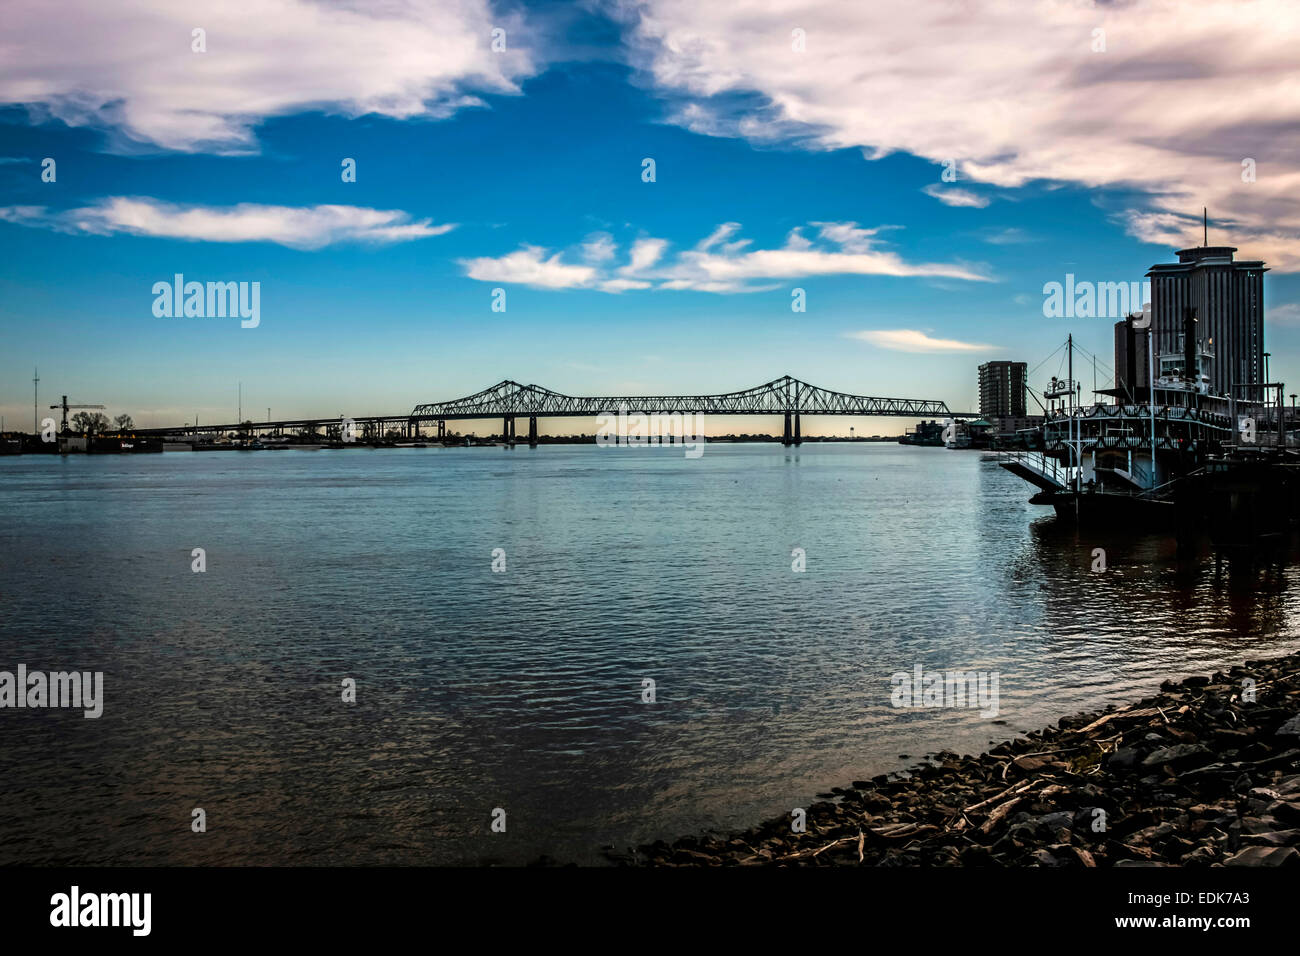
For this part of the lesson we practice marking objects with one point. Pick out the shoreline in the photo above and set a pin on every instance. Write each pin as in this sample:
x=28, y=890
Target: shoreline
x=1197, y=775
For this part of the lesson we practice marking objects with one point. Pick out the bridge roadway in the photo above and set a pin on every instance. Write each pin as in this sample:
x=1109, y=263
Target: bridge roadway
x=508, y=400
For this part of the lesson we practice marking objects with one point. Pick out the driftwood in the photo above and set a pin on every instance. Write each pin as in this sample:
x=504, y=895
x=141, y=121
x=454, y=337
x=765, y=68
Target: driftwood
x=1128, y=713
x=1000, y=811
x=1015, y=788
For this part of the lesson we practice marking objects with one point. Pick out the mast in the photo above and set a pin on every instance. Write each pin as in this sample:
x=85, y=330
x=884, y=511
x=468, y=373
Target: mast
x=1069, y=378
x=1151, y=393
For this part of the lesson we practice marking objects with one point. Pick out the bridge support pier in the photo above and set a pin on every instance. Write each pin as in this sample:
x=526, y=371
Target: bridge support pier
x=442, y=429
x=798, y=439
x=786, y=439
x=532, y=431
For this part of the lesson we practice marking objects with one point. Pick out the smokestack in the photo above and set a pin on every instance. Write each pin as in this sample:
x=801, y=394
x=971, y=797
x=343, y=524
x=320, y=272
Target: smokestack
x=1189, y=346
x=1130, y=357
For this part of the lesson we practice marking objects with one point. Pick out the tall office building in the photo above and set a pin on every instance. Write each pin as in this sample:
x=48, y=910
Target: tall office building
x=1002, y=389
x=1228, y=299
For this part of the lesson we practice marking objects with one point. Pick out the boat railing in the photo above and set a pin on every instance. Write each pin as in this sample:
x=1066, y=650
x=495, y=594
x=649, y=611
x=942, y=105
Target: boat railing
x=1045, y=465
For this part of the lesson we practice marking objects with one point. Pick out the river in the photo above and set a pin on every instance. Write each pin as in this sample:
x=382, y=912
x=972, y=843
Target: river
x=524, y=689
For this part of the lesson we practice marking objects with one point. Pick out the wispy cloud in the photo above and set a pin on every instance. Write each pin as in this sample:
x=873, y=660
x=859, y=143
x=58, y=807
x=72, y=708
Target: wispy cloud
x=1287, y=314
x=599, y=247
x=718, y=263
x=1008, y=237
x=531, y=266
x=1183, y=93
x=913, y=340
x=299, y=227
x=953, y=196
x=132, y=69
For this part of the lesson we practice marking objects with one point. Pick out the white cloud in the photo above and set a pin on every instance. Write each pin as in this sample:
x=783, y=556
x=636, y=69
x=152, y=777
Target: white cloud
x=1012, y=90
x=1288, y=314
x=1008, y=237
x=911, y=340
x=530, y=265
x=599, y=247
x=645, y=253
x=129, y=67
x=724, y=231
x=952, y=196
x=622, y=285
x=299, y=227
x=715, y=265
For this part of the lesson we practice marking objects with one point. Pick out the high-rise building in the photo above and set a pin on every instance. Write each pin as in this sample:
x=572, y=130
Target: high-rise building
x=1002, y=389
x=1227, y=298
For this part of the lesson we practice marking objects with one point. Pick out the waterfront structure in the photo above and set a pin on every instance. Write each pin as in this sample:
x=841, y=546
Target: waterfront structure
x=1152, y=453
x=1226, y=296
x=1002, y=401
x=1002, y=389
x=508, y=400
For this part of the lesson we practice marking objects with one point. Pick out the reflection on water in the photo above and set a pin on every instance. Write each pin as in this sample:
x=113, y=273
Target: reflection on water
x=522, y=690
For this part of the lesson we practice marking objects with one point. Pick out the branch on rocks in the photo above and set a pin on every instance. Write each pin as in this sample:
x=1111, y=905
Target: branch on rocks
x=1014, y=788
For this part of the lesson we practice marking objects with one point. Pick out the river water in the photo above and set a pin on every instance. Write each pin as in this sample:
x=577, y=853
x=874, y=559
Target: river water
x=523, y=689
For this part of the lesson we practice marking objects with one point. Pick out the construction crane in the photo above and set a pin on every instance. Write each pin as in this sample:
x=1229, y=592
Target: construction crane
x=65, y=406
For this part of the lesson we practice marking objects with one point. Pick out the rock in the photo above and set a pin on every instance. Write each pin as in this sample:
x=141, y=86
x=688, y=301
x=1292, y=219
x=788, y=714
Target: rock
x=1179, y=756
x=1033, y=763
x=1055, y=821
x=1201, y=856
x=1199, y=779
x=1123, y=759
x=1288, y=811
x=1289, y=729
x=1084, y=857
x=1264, y=856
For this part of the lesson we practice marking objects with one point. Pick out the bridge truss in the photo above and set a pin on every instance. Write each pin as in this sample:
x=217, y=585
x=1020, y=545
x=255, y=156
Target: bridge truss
x=784, y=395
x=507, y=400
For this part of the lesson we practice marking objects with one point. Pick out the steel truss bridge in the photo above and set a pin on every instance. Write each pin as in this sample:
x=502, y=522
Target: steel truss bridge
x=509, y=400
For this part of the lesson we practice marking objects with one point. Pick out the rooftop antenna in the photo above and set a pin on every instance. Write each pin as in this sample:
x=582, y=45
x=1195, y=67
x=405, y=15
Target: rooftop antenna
x=1205, y=224
x=36, y=400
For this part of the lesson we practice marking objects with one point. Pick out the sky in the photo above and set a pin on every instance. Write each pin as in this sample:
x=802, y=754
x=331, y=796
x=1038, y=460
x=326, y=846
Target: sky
x=912, y=174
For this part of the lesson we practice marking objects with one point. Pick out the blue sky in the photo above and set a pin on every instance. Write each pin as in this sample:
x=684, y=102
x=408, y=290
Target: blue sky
x=536, y=186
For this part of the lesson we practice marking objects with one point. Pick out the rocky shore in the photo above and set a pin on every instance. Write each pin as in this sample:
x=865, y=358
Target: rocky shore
x=1206, y=773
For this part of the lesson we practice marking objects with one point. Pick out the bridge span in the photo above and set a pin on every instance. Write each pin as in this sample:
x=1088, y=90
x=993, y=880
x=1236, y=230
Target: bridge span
x=509, y=400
